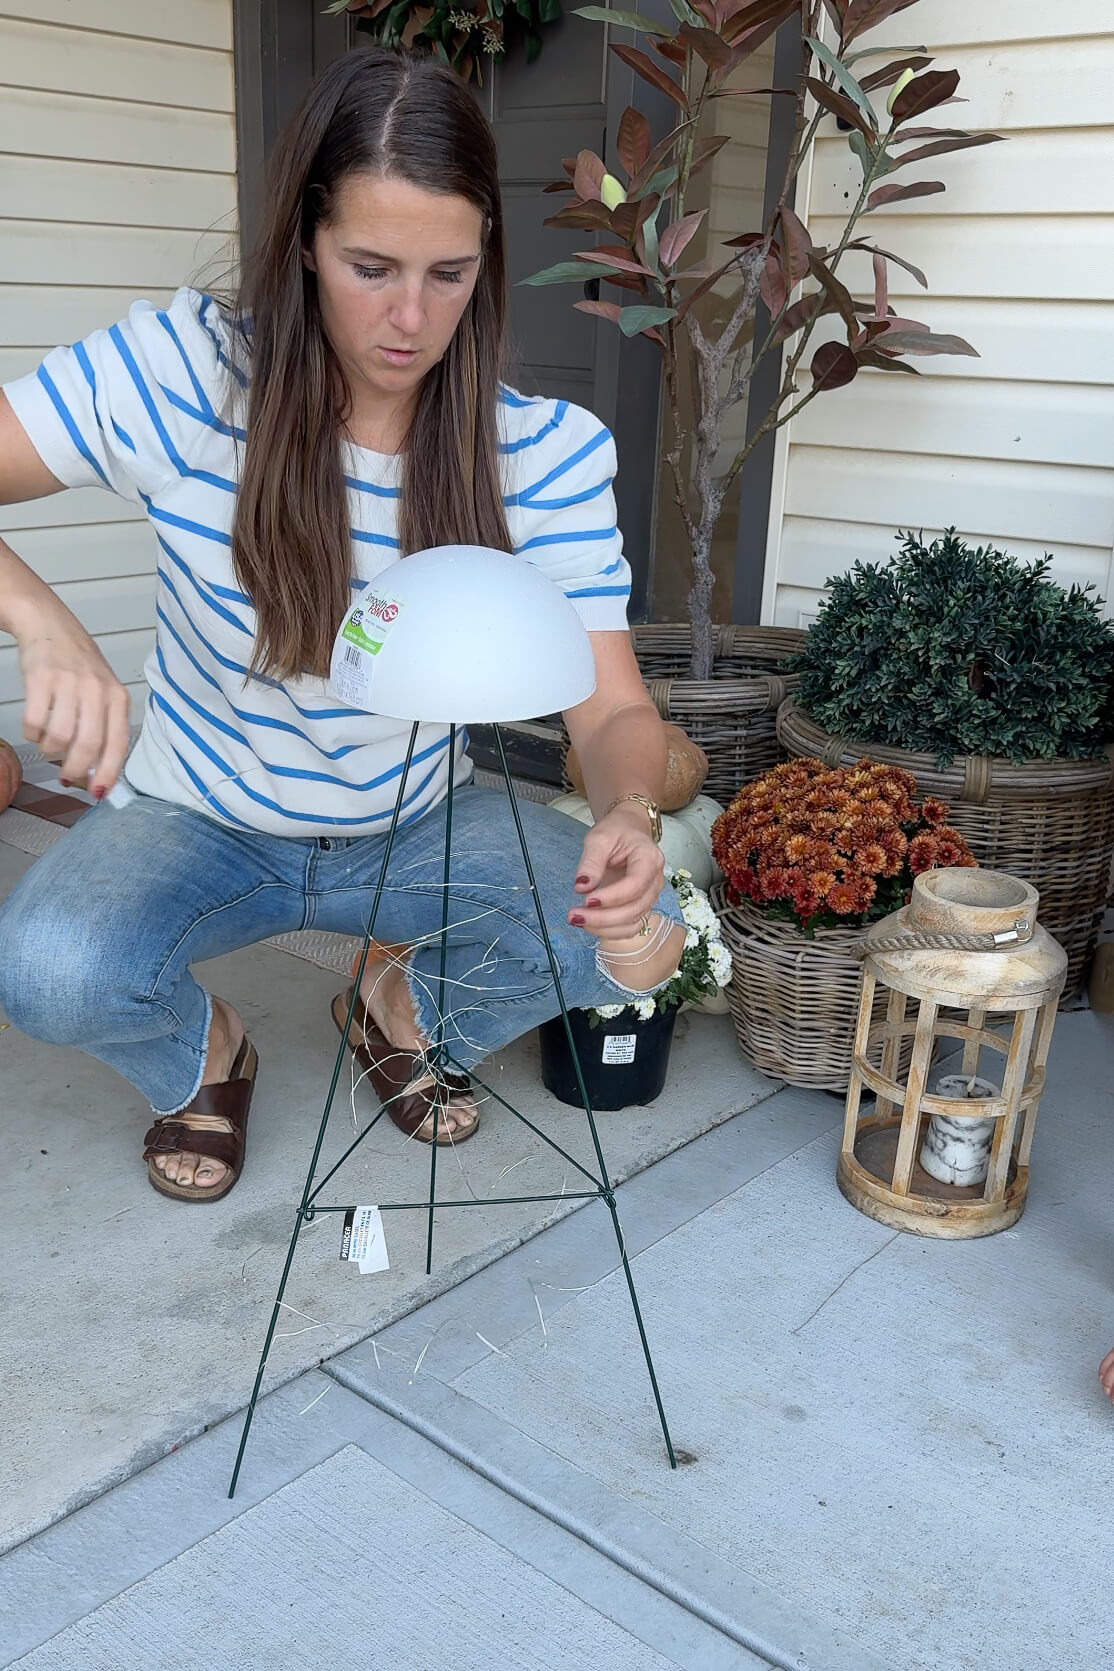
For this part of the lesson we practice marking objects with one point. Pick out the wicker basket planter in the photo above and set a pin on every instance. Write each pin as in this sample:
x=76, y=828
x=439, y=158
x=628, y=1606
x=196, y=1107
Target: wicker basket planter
x=1050, y=822
x=793, y=1001
x=733, y=715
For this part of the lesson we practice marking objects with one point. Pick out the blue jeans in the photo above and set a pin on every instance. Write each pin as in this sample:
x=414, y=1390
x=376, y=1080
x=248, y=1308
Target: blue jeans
x=97, y=940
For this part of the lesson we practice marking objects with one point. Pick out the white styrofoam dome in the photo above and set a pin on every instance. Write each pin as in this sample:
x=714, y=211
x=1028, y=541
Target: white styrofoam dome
x=465, y=634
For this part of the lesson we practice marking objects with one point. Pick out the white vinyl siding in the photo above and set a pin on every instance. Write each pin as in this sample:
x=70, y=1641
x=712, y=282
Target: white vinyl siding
x=1016, y=447
x=117, y=180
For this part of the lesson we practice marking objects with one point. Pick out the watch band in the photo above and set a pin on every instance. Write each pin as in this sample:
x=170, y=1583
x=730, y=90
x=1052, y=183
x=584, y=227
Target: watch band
x=644, y=801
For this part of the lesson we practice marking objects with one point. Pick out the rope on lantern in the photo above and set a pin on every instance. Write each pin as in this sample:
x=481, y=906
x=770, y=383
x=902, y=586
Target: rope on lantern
x=923, y=940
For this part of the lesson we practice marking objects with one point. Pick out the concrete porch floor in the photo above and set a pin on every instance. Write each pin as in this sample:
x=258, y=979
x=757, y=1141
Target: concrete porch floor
x=900, y=1453
x=132, y=1322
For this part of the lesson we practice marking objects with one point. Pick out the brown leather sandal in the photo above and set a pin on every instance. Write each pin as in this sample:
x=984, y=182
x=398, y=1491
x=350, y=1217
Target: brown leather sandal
x=201, y=1129
x=391, y=1070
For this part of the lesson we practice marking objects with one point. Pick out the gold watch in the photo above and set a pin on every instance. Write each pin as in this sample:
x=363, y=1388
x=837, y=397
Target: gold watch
x=644, y=801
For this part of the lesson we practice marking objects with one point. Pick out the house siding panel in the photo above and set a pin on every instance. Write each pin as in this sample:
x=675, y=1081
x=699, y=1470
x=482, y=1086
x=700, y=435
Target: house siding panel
x=117, y=180
x=1016, y=446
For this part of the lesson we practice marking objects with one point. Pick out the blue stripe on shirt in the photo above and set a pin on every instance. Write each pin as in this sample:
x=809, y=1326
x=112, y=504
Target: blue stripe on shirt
x=600, y=592
x=159, y=427
x=538, y=435
x=71, y=426
x=585, y=536
x=264, y=800
x=565, y=466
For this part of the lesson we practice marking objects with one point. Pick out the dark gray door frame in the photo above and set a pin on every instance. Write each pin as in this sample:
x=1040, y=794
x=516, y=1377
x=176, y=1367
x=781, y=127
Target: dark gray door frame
x=279, y=46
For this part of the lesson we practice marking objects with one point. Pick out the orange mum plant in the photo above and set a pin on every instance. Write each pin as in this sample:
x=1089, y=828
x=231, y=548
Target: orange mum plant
x=829, y=848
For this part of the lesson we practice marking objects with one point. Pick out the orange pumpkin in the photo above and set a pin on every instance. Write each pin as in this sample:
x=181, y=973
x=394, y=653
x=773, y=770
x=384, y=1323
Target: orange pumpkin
x=11, y=774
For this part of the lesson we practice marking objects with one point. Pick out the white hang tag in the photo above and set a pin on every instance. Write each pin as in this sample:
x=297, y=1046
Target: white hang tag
x=359, y=641
x=363, y=1241
x=619, y=1049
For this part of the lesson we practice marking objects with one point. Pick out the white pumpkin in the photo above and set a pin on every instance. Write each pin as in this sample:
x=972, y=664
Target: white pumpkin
x=686, y=836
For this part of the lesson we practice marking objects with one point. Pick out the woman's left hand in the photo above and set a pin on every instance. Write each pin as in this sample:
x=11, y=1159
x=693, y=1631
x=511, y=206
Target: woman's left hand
x=621, y=873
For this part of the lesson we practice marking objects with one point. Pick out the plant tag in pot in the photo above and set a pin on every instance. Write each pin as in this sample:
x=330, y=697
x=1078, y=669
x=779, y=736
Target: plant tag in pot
x=619, y=1049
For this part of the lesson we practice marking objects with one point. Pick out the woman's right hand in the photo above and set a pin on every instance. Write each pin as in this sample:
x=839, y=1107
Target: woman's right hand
x=75, y=706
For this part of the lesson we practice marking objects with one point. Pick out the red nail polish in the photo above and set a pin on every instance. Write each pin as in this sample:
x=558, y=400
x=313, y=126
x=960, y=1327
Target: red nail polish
x=582, y=882
x=577, y=920
x=593, y=902
x=99, y=793
x=65, y=782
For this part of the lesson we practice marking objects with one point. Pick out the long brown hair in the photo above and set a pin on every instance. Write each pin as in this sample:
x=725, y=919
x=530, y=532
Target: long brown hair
x=407, y=118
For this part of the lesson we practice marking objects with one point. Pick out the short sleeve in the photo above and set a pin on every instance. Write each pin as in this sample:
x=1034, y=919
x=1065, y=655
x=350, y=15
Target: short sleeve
x=560, y=469
x=125, y=407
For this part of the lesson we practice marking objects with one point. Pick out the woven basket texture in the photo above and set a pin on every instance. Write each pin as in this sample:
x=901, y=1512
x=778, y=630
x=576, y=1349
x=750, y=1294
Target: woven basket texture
x=733, y=715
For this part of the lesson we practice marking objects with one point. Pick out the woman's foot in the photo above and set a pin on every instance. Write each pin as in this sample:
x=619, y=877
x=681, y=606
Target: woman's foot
x=1106, y=1375
x=386, y=994
x=226, y=1034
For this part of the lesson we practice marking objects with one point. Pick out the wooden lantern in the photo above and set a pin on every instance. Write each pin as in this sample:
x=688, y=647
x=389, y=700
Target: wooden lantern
x=999, y=1000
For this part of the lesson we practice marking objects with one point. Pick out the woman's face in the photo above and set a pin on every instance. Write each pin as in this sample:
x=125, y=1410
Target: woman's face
x=396, y=267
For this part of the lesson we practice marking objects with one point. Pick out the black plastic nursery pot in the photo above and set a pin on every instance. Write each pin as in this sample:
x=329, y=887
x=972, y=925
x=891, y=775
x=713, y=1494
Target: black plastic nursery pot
x=624, y=1061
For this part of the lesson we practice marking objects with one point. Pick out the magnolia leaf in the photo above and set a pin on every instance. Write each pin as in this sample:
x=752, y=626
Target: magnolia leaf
x=898, y=194
x=588, y=176
x=797, y=244
x=602, y=310
x=707, y=45
x=862, y=149
x=886, y=76
x=923, y=342
x=684, y=13
x=653, y=73
x=923, y=93
x=845, y=78
x=650, y=240
x=704, y=286
x=629, y=217
x=799, y=314
x=653, y=162
x=881, y=285
x=745, y=240
x=583, y=217
x=908, y=134
x=567, y=272
x=839, y=105
x=882, y=52
x=633, y=140
x=662, y=180
x=868, y=14
x=940, y=146
x=705, y=149
x=558, y=185
x=771, y=284
x=873, y=249
x=838, y=294
x=673, y=50
x=621, y=20
x=627, y=281
x=871, y=357
x=748, y=26
x=621, y=263
x=634, y=320
x=833, y=365
x=675, y=238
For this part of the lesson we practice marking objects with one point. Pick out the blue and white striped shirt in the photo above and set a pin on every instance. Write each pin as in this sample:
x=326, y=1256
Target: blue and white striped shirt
x=139, y=409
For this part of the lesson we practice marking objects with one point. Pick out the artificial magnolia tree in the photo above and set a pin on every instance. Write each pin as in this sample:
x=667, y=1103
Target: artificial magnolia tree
x=640, y=204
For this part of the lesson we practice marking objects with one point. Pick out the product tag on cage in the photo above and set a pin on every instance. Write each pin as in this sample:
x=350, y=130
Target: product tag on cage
x=363, y=1241
x=619, y=1049
x=358, y=642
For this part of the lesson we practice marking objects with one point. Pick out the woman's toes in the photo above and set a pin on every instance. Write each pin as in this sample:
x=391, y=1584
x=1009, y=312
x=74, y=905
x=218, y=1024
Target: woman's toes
x=210, y=1173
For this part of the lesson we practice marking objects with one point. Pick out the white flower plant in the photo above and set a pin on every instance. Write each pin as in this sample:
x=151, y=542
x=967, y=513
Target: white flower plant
x=705, y=962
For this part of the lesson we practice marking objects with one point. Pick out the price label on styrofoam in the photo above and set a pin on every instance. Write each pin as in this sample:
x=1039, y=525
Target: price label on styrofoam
x=360, y=639
x=619, y=1049
x=363, y=1241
